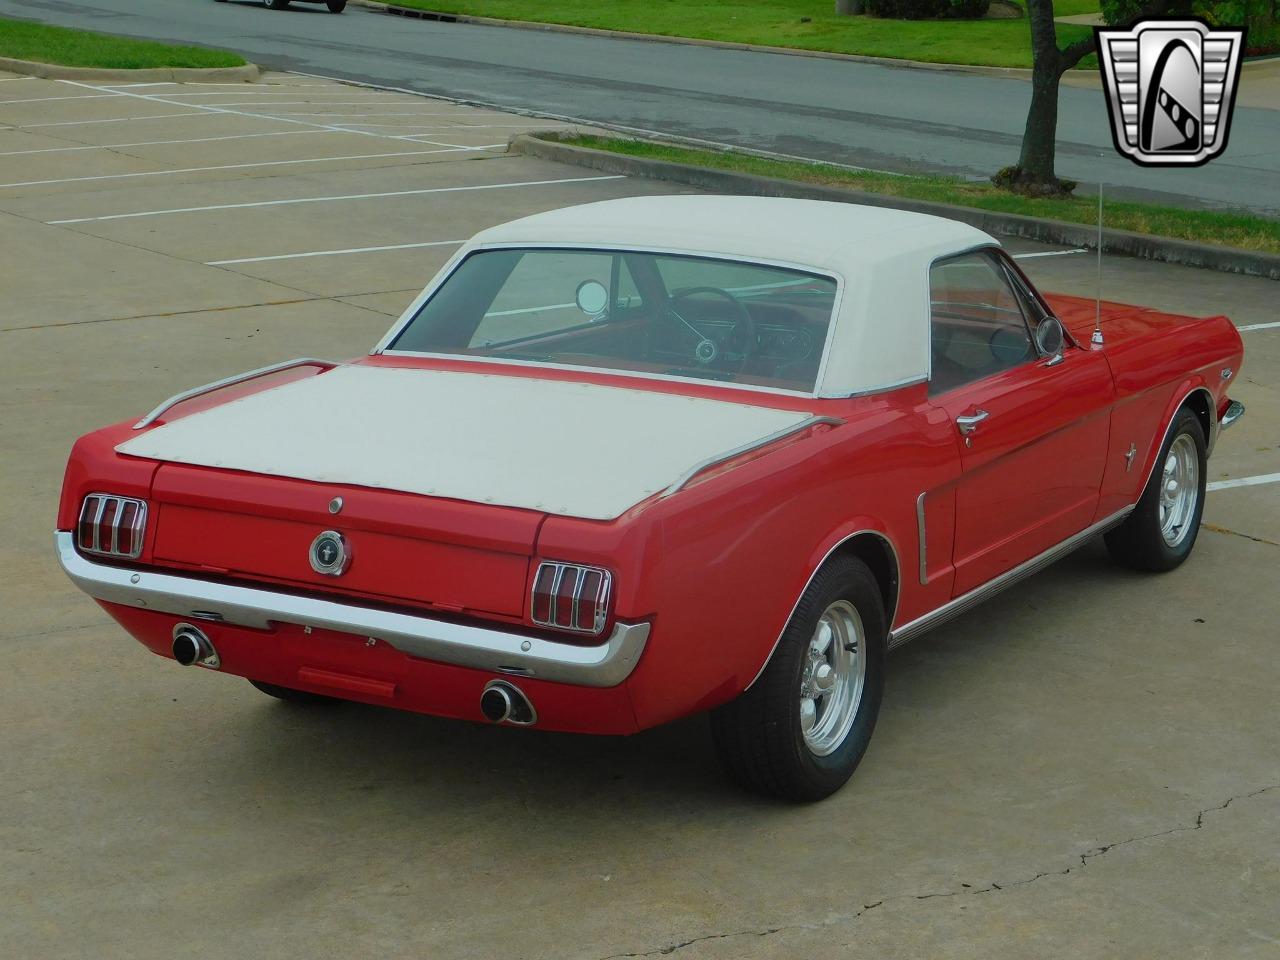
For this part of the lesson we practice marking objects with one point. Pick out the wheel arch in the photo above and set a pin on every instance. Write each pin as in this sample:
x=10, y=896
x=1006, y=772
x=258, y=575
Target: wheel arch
x=1197, y=398
x=867, y=542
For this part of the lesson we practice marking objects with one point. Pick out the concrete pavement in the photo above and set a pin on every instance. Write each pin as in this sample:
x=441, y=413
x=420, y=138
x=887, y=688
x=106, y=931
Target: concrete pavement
x=1087, y=766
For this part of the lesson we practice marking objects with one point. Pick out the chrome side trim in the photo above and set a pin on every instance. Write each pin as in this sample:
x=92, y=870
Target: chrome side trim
x=697, y=468
x=891, y=614
x=603, y=665
x=975, y=596
x=1235, y=410
x=177, y=398
x=924, y=547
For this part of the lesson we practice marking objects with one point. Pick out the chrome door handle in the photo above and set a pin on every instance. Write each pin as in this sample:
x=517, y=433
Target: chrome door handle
x=969, y=424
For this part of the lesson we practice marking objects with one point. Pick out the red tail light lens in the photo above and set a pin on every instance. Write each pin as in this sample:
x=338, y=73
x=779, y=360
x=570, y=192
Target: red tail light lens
x=569, y=596
x=112, y=526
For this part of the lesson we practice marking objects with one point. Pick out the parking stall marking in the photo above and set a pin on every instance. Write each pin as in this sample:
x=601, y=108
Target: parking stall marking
x=350, y=196
x=1244, y=482
x=161, y=143
x=1051, y=253
x=85, y=123
x=238, y=166
x=83, y=96
x=211, y=109
x=334, y=253
x=1259, y=326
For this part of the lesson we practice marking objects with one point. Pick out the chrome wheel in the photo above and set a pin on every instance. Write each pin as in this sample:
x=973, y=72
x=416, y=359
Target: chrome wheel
x=832, y=679
x=1179, y=490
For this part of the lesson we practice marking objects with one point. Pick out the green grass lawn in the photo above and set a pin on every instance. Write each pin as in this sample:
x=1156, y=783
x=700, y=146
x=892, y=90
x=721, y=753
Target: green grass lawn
x=80, y=48
x=1226, y=229
x=807, y=24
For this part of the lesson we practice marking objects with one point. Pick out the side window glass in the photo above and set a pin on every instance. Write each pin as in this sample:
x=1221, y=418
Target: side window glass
x=977, y=324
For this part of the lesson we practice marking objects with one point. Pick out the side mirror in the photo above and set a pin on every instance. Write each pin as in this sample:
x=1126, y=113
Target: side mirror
x=1050, y=337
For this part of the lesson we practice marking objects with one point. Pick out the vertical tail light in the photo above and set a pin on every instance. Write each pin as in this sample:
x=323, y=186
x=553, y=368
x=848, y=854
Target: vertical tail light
x=569, y=596
x=112, y=526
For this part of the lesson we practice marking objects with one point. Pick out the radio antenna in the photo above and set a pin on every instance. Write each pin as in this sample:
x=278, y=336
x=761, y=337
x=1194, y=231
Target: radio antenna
x=1097, y=315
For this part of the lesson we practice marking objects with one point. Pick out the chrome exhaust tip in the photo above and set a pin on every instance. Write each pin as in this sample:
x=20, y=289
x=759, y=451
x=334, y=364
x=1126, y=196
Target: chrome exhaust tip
x=504, y=702
x=191, y=646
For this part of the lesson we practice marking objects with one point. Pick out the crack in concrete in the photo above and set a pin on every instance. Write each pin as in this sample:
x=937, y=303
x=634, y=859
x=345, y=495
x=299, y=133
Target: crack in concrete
x=967, y=889
x=1236, y=533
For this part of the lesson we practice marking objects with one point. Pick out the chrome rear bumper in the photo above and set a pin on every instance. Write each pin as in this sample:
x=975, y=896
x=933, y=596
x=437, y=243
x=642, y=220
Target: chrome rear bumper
x=604, y=665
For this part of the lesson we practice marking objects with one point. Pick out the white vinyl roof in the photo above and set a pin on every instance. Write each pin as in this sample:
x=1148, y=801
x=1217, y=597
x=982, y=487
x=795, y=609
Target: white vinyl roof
x=880, y=256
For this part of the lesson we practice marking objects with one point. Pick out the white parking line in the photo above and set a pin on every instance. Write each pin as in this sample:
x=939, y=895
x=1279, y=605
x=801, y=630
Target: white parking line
x=160, y=143
x=1244, y=482
x=210, y=108
x=333, y=253
x=234, y=166
x=1259, y=326
x=92, y=96
x=7, y=79
x=351, y=196
x=85, y=123
x=1051, y=253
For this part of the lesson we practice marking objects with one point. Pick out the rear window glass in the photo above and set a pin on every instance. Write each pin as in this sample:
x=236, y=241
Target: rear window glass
x=632, y=312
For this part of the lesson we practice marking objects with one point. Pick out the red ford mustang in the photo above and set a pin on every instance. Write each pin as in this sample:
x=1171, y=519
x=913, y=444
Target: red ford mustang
x=628, y=461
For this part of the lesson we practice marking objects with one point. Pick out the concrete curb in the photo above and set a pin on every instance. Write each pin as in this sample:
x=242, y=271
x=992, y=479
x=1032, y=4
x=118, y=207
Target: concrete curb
x=52, y=71
x=1123, y=242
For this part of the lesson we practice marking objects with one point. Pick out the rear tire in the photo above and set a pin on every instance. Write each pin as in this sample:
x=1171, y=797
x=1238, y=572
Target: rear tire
x=1161, y=531
x=276, y=4
x=779, y=738
x=336, y=6
x=289, y=695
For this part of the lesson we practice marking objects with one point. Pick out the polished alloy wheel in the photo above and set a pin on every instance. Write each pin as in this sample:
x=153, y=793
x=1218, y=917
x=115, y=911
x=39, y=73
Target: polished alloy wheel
x=1179, y=490
x=832, y=679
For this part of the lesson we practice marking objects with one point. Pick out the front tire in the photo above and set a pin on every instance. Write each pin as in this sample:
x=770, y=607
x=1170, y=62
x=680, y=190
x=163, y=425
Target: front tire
x=276, y=4
x=801, y=729
x=336, y=6
x=1161, y=531
x=289, y=695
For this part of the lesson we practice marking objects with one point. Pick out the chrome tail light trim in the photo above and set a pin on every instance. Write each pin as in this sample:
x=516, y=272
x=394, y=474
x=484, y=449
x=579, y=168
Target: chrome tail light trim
x=97, y=504
x=580, y=572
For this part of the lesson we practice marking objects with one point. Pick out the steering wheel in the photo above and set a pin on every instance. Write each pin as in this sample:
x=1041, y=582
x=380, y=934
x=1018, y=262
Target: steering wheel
x=708, y=351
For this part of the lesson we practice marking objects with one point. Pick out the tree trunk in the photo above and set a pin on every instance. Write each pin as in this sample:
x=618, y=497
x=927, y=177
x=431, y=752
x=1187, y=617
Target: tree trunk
x=1039, y=140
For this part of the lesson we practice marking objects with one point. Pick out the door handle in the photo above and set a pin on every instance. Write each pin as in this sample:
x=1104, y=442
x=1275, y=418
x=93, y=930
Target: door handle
x=970, y=423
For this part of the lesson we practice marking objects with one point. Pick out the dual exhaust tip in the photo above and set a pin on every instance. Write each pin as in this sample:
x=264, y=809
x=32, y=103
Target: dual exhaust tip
x=192, y=646
x=504, y=702
x=501, y=701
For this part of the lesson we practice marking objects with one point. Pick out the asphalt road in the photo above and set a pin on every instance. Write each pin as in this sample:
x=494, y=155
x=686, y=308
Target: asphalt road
x=863, y=114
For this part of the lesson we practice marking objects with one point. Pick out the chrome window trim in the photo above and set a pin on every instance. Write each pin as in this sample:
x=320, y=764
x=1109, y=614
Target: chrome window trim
x=383, y=346
x=194, y=392
x=606, y=664
x=811, y=421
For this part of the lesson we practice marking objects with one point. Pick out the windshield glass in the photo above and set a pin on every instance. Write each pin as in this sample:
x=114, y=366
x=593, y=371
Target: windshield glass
x=694, y=317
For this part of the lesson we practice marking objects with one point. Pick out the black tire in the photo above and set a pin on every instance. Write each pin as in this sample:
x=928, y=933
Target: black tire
x=276, y=4
x=1140, y=541
x=759, y=736
x=289, y=695
x=336, y=6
